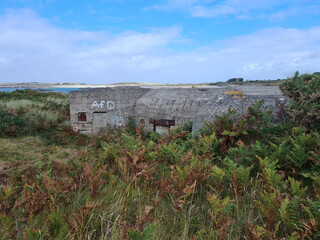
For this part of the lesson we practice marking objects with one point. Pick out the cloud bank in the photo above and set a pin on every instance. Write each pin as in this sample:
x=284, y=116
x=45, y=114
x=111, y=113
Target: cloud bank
x=32, y=49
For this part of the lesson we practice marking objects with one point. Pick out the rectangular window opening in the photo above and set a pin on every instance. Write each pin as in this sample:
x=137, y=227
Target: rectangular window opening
x=82, y=117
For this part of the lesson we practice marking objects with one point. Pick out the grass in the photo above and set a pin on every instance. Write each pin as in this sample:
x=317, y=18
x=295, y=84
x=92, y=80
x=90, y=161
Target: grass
x=17, y=104
x=33, y=149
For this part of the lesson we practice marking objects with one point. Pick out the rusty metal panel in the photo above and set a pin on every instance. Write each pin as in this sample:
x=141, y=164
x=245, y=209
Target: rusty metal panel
x=162, y=122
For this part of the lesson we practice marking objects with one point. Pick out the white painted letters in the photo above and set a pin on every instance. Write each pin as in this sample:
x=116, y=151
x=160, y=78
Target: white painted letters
x=102, y=104
x=95, y=104
x=109, y=106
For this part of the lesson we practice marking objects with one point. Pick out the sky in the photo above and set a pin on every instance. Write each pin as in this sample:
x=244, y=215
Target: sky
x=162, y=41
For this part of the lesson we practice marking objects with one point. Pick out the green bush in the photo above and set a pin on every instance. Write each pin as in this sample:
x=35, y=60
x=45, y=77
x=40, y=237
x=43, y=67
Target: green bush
x=12, y=125
x=231, y=128
x=304, y=93
x=29, y=112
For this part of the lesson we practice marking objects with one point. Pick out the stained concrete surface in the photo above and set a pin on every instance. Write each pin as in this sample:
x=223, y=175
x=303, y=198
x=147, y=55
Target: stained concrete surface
x=112, y=107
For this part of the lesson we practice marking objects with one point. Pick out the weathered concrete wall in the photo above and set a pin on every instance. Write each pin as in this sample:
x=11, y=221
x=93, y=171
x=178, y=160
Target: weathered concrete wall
x=178, y=104
x=240, y=98
x=107, y=106
x=157, y=108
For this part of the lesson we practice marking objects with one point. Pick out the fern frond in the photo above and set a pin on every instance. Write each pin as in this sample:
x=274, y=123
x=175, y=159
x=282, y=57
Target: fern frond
x=296, y=187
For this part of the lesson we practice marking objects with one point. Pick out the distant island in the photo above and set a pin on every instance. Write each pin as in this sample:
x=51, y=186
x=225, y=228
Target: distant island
x=84, y=85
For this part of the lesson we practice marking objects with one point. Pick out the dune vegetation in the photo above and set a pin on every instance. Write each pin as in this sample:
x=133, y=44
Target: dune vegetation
x=239, y=177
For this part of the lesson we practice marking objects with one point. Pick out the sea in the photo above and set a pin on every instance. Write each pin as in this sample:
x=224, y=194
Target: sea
x=62, y=90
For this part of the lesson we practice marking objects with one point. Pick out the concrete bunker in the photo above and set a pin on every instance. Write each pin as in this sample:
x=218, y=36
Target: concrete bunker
x=161, y=109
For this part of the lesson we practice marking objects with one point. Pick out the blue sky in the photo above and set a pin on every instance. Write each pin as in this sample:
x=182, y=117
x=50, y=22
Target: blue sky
x=165, y=41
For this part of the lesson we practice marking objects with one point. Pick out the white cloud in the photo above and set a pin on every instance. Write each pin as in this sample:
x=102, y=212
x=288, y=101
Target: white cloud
x=242, y=9
x=31, y=49
x=34, y=49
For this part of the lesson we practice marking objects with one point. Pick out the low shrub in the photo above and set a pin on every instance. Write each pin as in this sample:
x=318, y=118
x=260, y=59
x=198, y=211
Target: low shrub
x=304, y=94
x=12, y=125
x=29, y=112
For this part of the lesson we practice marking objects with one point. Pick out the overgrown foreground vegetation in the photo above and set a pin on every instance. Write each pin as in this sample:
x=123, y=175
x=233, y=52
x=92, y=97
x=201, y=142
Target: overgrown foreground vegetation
x=241, y=177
